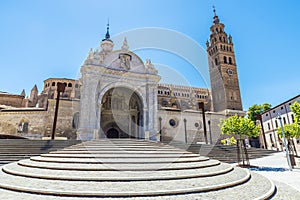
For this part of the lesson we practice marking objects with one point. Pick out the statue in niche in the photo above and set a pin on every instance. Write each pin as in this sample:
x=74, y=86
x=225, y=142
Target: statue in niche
x=125, y=61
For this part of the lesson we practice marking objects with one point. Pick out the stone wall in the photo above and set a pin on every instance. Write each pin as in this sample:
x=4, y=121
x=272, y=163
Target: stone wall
x=12, y=100
x=173, y=126
x=36, y=124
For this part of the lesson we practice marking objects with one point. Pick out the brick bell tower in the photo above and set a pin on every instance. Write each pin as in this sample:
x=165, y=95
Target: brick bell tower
x=222, y=68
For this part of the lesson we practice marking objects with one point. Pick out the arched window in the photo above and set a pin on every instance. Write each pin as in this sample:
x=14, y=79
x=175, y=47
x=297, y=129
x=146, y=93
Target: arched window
x=53, y=83
x=76, y=85
x=225, y=59
x=230, y=49
x=69, y=84
x=216, y=61
x=227, y=48
x=230, y=60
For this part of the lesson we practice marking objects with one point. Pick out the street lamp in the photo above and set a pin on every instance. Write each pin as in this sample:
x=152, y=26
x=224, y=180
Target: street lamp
x=201, y=106
x=160, y=133
x=60, y=88
x=284, y=141
x=210, y=139
x=185, y=136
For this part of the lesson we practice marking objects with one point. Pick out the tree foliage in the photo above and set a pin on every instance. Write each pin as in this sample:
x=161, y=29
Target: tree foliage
x=292, y=130
x=295, y=107
x=239, y=126
x=256, y=109
x=229, y=141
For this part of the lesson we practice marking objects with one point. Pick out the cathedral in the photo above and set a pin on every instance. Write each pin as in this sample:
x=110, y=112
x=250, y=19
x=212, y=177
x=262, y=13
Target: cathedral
x=119, y=96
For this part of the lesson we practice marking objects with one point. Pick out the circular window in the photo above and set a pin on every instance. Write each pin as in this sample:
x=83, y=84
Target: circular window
x=173, y=123
x=198, y=124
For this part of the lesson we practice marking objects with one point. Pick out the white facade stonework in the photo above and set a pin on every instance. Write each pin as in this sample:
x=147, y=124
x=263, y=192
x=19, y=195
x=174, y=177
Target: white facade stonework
x=105, y=70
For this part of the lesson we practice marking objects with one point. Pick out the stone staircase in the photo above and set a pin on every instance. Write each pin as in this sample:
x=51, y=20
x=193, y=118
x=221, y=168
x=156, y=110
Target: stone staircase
x=12, y=150
x=127, y=168
x=219, y=152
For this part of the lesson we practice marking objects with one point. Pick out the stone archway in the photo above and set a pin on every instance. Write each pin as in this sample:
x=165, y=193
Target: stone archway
x=122, y=112
x=112, y=133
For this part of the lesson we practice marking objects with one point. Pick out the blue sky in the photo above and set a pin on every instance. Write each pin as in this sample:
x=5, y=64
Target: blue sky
x=51, y=38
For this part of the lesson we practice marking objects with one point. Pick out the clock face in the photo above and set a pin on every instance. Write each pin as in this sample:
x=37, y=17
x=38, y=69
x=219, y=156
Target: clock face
x=229, y=72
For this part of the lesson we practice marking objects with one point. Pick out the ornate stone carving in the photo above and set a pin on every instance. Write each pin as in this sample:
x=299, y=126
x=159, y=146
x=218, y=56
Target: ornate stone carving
x=125, y=60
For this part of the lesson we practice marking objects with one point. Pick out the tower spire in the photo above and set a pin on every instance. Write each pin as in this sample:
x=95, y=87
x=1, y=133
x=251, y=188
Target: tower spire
x=216, y=19
x=214, y=9
x=107, y=36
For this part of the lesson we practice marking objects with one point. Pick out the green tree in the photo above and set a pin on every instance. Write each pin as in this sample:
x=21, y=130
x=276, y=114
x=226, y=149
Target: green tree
x=239, y=126
x=256, y=110
x=295, y=107
x=243, y=127
x=290, y=131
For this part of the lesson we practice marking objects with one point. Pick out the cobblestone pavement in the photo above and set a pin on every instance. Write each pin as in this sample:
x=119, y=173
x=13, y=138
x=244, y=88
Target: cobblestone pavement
x=278, y=160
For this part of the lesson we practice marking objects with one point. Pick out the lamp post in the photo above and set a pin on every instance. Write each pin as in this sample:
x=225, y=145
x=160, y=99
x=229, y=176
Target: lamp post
x=210, y=138
x=201, y=106
x=60, y=88
x=160, y=136
x=185, y=136
x=284, y=142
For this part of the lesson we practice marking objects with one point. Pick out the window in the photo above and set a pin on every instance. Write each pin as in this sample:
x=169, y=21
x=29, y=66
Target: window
x=53, y=83
x=225, y=59
x=276, y=123
x=69, y=84
x=173, y=123
x=216, y=61
x=281, y=108
x=267, y=115
x=269, y=126
x=292, y=118
x=76, y=85
x=284, y=121
x=274, y=111
x=230, y=60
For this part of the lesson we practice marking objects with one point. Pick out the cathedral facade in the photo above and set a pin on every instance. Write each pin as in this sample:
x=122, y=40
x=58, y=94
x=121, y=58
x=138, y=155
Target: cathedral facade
x=119, y=96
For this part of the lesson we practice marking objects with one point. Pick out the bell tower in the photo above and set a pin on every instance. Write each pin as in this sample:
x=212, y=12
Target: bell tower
x=222, y=68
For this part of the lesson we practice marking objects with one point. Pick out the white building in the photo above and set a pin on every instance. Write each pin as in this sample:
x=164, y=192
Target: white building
x=271, y=123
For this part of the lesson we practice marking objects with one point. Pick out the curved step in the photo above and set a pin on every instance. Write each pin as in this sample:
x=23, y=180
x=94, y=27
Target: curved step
x=116, y=155
x=257, y=183
x=82, y=175
x=109, y=160
x=96, y=166
x=129, y=189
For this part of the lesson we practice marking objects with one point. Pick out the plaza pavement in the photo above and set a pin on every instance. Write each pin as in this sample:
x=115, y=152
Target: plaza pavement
x=275, y=167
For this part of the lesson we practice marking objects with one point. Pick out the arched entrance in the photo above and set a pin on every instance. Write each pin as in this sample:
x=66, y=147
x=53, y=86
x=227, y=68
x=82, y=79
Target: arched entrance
x=112, y=133
x=121, y=114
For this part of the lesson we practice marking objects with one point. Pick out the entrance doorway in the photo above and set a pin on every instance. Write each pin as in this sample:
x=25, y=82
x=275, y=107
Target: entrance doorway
x=112, y=133
x=121, y=114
